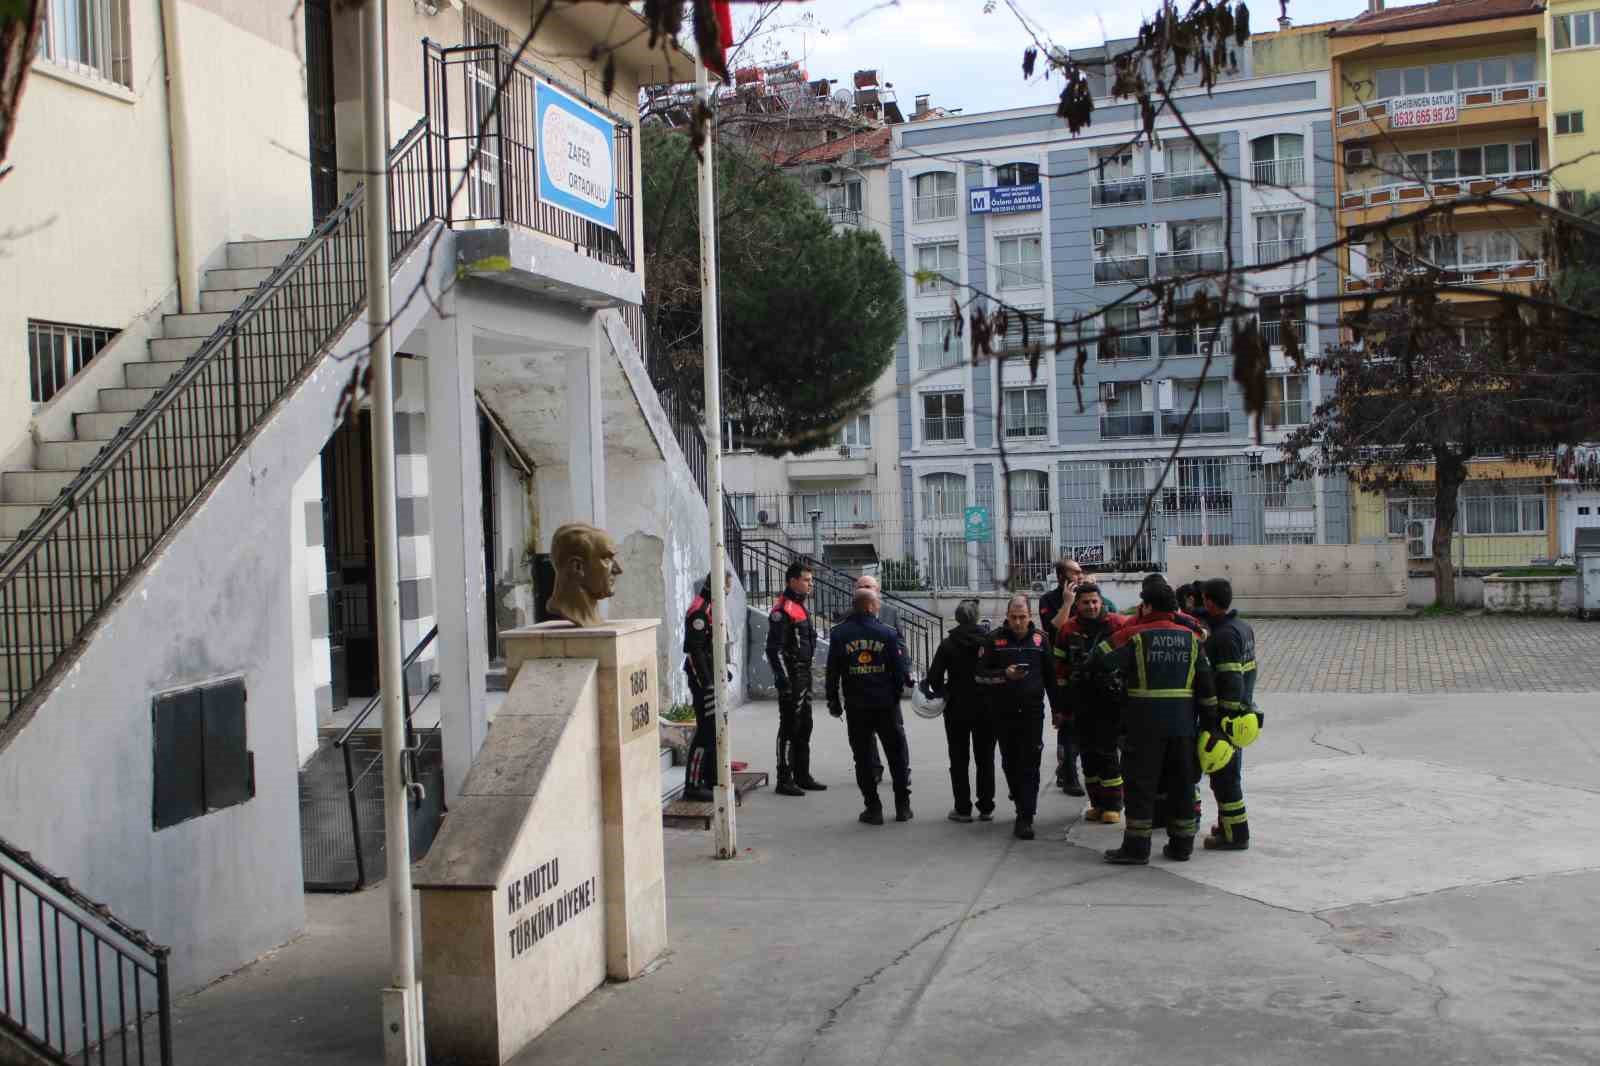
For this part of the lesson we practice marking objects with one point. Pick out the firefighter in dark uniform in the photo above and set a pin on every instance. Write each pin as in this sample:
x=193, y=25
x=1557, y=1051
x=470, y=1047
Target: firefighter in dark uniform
x=701, y=776
x=791, y=642
x=1094, y=722
x=1054, y=606
x=1160, y=667
x=1232, y=651
x=1017, y=669
x=867, y=661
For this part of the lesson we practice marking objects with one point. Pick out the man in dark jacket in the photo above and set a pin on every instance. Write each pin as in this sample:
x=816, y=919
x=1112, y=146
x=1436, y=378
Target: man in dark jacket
x=967, y=725
x=1232, y=651
x=868, y=669
x=1161, y=666
x=1090, y=718
x=1054, y=606
x=701, y=776
x=791, y=642
x=1016, y=668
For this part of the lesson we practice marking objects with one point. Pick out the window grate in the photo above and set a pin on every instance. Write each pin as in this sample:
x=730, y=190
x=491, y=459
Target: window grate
x=57, y=352
x=89, y=37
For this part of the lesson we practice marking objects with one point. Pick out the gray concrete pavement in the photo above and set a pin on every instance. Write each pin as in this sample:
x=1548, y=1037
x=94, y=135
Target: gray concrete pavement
x=1421, y=891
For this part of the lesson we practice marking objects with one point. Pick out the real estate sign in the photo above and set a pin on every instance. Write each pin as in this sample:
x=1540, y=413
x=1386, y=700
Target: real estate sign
x=577, y=167
x=1005, y=199
x=1423, y=109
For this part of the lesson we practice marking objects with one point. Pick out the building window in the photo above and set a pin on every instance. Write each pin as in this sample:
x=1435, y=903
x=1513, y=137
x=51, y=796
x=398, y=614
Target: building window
x=1011, y=341
x=1279, y=311
x=856, y=432
x=944, y=495
x=1287, y=401
x=1187, y=172
x=744, y=509
x=1124, y=339
x=57, y=352
x=1115, y=180
x=1025, y=413
x=1278, y=159
x=1192, y=247
x=1569, y=122
x=1501, y=509
x=1117, y=256
x=1403, y=510
x=1445, y=164
x=1202, y=485
x=1031, y=560
x=1029, y=491
x=947, y=561
x=941, y=263
x=1123, y=413
x=938, y=348
x=89, y=37
x=1279, y=236
x=202, y=762
x=1446, y=77
x=1125, y=487
x=842, y=202
x=836, y=508
x=1019, y=262
x=1129, y=553
x=1577, y=30
x=934, y=197
x=943, y=418
x=1017, y=174
x=1210, y=414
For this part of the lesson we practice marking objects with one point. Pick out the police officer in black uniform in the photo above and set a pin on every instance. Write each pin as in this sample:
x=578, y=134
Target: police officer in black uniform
x=867, y=661
x=1017, y=669
x=791, y=642
x=701, y=776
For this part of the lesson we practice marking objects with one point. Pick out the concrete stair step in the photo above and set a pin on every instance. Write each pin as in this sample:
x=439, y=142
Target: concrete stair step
x=33, y=486
x=125, y=399
x=175, y=348
x=244, y=255
x=229, y=278
x=153, y=373
x=100, y=425
x=65, y=454
x=14, y=517
x=223, y=299
x=201, y=325
x=98, y=519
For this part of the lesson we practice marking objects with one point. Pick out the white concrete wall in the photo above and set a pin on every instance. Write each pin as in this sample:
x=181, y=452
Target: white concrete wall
x=1300, y=579
x=308, y=597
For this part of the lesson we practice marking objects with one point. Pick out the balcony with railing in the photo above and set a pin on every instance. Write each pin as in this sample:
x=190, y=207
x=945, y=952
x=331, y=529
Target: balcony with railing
x=1111, y=270
x=1199, y=261
x=843, y=216
x=933, y=208
x=1273, y=332
x=1126, y=501
x=950, y=429
x=1534, y=184
x=1506, y=273
x=1138, y=424
x=1195, y=341
x=1527, y=96
x=1180, y=501
x=939, y=356
x=1114, y=191
x=1126, y=346
x=1279, y=251
x=1199, y=422
x=1286, y=413
x=1282, y=173
x=1186, y=185
x=483, y=160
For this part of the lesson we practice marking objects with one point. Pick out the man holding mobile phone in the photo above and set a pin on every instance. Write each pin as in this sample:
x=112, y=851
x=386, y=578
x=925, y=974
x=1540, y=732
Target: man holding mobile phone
x=1016, y=669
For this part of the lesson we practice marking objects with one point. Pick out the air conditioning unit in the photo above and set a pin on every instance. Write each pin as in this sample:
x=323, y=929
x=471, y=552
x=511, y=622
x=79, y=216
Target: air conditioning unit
x=844, y=451
x=825, y=176
x=1419, y=538
x=764, y=518
x=1357, y=158
x=1099, y=237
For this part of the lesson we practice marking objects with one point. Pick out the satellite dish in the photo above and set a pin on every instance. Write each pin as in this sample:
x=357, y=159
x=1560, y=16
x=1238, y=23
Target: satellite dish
x=843, y=98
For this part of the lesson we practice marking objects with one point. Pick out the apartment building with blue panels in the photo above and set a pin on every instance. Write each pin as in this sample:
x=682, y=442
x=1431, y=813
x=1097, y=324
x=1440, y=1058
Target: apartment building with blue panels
x=1009, y=206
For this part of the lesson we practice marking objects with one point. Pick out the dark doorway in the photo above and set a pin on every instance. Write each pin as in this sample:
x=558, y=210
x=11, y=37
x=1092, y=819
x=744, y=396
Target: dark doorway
x=348, y=541
x=324, y=148
x=491, y=530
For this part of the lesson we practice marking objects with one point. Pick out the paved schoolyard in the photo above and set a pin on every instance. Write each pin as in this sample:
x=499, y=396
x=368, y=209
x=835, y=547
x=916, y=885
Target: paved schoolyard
x=1466, y=653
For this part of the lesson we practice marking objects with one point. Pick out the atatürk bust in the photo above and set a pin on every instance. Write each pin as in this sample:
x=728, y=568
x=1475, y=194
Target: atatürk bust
x=586, y=572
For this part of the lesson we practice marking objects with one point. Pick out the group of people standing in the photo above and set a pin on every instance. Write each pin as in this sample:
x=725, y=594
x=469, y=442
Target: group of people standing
x=1147, y=702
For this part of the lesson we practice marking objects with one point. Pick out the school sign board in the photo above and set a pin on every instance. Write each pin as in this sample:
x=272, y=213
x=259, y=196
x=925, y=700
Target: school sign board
x=1005, y=199
x=577, y=163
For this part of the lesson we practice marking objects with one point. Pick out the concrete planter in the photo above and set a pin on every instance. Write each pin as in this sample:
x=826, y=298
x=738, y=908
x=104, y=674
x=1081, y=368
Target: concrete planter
x=1530, y=595
x=677, y=736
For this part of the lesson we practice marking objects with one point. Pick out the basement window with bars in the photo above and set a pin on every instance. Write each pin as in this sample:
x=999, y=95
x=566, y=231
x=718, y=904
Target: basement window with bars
x=57, y=352
x=202, y=763
x=89, y=38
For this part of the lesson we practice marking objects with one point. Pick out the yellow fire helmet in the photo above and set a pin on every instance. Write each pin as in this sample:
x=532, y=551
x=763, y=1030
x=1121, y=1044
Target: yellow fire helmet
x=1214, y=752
x=1242, y=729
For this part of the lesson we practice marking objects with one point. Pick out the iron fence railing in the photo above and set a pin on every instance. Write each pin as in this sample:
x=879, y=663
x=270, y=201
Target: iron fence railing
x=1113, y=191
x=483, y=142
x=1110, y=271
x=84, y=547
x=1183, y=186
x=1280, y=172
x=76, y=984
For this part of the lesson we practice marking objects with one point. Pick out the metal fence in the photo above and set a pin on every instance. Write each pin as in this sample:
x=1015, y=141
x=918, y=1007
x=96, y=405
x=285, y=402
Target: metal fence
x=1123, y=514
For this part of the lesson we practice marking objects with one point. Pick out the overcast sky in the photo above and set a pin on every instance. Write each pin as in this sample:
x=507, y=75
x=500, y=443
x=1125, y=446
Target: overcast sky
x=961, y=56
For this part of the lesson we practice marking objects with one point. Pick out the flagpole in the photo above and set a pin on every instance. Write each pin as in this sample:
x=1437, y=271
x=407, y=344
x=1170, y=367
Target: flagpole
x=725, y=833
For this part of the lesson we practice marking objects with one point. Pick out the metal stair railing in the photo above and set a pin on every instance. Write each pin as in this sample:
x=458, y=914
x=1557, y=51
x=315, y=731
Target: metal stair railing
x=113, y=514
x=764, y=562
x=74, y=980
x=354, y=781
